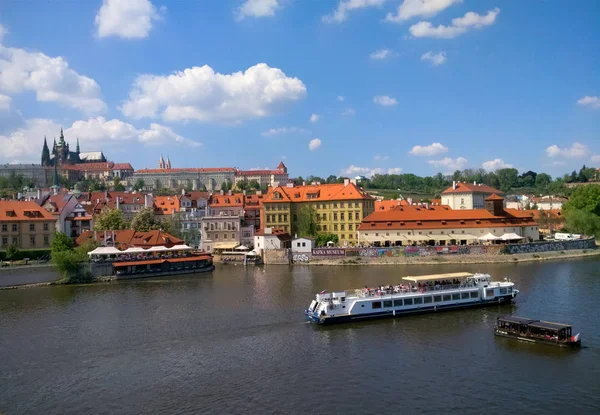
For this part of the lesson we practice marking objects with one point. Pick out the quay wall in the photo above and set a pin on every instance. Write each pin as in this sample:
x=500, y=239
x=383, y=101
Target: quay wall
x=24, y=274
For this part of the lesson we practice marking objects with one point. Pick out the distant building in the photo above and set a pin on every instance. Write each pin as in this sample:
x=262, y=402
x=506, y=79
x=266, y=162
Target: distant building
x=548, y=202
x=61, y=154
x=303, y=245
x=124, y=239
x=463, y=195
x=129, y=203
x=441, y=225
x=271, y=238
x=71, y=216
x=26, y=225
x=38, y=175
x=221, y=226
x=264, y=178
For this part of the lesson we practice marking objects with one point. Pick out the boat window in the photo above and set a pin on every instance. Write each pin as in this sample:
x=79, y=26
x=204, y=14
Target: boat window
x=446, y=297
x=376, y=304
x=418, y=300
x=456, y=296
x=343, y=299
x=489, y=292
x=502, y=290
x=397, y=303
x=408, y=301
x=474, y=294
x=427, y=300
x=464, y=296
x=387, y=303
x=437, y=298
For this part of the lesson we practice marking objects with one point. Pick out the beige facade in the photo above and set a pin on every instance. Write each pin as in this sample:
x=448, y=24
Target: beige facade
x=25, y=225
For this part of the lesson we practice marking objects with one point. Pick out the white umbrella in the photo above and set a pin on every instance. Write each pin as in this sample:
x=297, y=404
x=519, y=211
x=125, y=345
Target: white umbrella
x=510, y=237
x=180, y=248
x=489, y=237
x=251, y=253
x=242, y=248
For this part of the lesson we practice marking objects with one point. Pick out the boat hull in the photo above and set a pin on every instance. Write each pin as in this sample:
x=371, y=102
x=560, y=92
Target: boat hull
x=348, y=318
x=165, y=273
x=537, y=340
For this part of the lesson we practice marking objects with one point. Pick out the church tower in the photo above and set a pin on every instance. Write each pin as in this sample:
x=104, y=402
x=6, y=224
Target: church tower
x=168, y=165
x=77, y=148
x=161, y=162
x=45, y=154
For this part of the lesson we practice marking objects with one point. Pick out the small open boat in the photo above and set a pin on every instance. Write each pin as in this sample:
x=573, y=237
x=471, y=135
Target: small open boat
x=537, y=331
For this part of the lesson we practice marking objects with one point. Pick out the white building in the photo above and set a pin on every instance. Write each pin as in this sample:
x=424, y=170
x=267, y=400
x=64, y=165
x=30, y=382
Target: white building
x=463, y=195
x=271, y=238
x=302, y=245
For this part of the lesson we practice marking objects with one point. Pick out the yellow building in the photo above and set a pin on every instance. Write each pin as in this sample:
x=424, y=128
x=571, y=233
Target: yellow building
x=26, y=225
x=337, y=208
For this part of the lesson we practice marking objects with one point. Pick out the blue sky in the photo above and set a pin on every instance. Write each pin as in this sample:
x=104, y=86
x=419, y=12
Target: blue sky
x=417, y=86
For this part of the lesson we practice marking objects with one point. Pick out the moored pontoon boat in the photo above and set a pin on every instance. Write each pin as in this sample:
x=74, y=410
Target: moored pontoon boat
x=537, y=331
x=421, y=294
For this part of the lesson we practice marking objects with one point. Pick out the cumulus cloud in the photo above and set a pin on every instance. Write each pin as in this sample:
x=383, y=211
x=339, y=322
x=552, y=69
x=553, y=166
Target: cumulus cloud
x=431, y=150
x=595, y=158
x=381, y=54
x=3, y=32
x=50, y=78
x=419, y=8
x=127, y=19
x=353, y=170
x=5, y=102
x=384, y=100
x=381, y=158
x=344, y=7
x=587, y=101
x=340, y=98
x=314, y=144
x=26, y=142
x=348, y=112
x=449, y=165
x=199, y=93
x=459, y=26
x=576, y=151
x=496, y=164
x=282, y=130
x=257, y=8
x=436, y=59
x=314, y=118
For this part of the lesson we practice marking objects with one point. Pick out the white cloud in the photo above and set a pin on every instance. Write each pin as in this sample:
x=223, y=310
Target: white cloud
x=435, y=58
x=353, y=170
x=449, y=164
x=340, y=14
x=128, y=19
x=5, y=102
x=459, y=25
x=340, y=98
x=282, y=130
x=421, y=8
x=3, y=32
x=595, y=158
x=593, y=102
x=496, y=164
x=576, y=151
x=348, y=112
x=382, y=54
x=384, y=100
x=199, y=93
x=381, y=158
x=50, y=78
x=94, y=133
x=257, y=8
x=314, y=144
x=314, y=118
x=430, y=150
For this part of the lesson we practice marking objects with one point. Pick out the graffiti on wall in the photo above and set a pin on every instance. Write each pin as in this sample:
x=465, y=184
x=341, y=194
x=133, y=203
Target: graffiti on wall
x=549, y=246
x=300, y=258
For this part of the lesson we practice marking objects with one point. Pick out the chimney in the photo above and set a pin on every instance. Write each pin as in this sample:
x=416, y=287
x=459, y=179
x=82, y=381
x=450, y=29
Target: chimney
x=268, y=231
x=409, y=200
x=353, y=181
x=221, y=192
x=118, y=204
x=229, y=192
x=303, y=183
x=182, y=192
x=39, y=194
x=346, y=182
x=259, y=193
x=453, y=184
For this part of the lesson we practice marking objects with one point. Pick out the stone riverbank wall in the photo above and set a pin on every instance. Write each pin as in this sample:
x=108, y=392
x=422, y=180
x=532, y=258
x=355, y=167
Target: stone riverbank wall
x=479, y=251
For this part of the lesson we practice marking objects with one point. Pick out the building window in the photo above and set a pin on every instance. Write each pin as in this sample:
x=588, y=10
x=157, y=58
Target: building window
x=285, y=217
x=324, y=216
x=14, y=227
x=350, y=227
x=15, y=241
x=233, y=236
x=295, y=217
x=335, y=205
x=349, y=215
x=303, y=244
x=355, y=204
x=324, y=227
x=46, y=240
x=335, y=227
x=32, y=227
x=350, y=236
x=462, y=201
x=4, y=241
x=4, y=227
x=335, y=217
x=341, y=215
x=32, y=240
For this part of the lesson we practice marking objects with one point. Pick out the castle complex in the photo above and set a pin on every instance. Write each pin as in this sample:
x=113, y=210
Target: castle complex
x=61, y=155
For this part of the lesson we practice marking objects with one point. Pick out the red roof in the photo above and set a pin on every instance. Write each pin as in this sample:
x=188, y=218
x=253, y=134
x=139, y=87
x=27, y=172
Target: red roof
x=132, y=238
x=258, y=172
x=462, y=187
x=190, y=170
x=107, y=166
x=316, y=192
x=494, y=197
x=281, y=166
x=16, y=211
x=233, y=200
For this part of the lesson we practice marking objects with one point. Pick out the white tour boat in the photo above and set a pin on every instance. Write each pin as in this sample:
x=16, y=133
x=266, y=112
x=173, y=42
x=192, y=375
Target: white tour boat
x=422, y=294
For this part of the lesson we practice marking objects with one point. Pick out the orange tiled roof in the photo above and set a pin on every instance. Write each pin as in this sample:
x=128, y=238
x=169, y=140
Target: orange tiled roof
x=462, y=187
x=281, y=166
x=190, y=170
x=415, y=217
x=258, y=172
x=235, y=200
x=109, y=165
x=129, y=238
x=552, y=213
x=16, y=211
x=494, y=197
x=166, y=204
x=320, y=192
x=59, y=201
x=386, y=204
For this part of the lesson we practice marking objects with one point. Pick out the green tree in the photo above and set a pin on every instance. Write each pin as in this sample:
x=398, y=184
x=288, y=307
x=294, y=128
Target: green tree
x=61, y=242
x=139, y=185
x=323, y=238
x=307, y=221
x=145, y=220
x=585, y=198
x=117, y=185
x=110, y=220
x=242, y=185
x=542, y=181
x=331, y=179
x=583, y=222
x=507, y=178
x=12, y=252
x=254, y=185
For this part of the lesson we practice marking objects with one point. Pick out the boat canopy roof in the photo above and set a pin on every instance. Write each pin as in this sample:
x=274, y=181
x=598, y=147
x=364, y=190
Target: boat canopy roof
x=434, y=277
x=516, y=320
x=534, y=323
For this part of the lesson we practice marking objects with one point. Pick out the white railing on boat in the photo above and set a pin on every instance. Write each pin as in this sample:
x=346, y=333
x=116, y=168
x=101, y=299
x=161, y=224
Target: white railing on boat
x=410, y=290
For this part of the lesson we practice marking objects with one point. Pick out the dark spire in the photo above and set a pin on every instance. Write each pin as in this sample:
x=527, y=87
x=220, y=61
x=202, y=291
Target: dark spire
x=77, y=148
x=62, y=137
x=45, y=154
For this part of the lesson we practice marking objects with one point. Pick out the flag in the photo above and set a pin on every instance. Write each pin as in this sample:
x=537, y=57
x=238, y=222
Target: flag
x=322, y=292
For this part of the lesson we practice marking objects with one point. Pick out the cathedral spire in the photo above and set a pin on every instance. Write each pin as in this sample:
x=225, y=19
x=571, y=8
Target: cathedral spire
x=77, y=148
x=45, y=153
x=161, y=162
x=62, y=137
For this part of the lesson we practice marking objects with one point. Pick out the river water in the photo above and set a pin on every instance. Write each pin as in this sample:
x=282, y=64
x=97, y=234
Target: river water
x=235, y=342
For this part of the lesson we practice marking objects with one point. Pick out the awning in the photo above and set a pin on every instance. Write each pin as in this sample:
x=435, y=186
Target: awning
x=242, y=248
x=157, y=249
x=180, y=248
x=466, y=237
x=489, y=237
x=225, y=245
x=433, y=277
x=510, y=237
x=105, y=250
x=134, y=250
x=417, y=238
